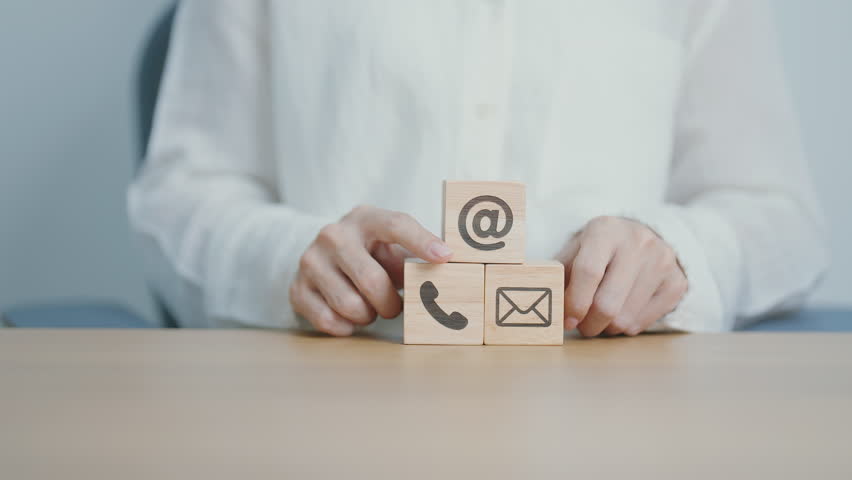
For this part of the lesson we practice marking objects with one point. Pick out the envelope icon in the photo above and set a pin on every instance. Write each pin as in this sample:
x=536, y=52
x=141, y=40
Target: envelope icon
x=524, y=307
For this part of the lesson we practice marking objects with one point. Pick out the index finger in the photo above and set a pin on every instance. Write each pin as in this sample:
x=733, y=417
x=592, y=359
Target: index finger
x=401, y=229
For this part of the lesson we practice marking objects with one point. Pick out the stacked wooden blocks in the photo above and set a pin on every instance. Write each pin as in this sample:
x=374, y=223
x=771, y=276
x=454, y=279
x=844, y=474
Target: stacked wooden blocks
x=487, y=293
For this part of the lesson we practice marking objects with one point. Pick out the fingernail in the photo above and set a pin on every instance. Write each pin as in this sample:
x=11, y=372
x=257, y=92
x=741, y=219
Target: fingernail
x=571, y=323
x=440, y=250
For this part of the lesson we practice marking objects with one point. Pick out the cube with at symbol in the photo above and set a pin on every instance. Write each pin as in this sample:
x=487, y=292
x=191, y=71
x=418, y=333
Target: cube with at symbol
x=485, y=222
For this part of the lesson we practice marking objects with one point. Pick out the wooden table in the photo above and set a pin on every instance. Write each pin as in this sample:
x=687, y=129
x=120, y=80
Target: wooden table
x=260, y=404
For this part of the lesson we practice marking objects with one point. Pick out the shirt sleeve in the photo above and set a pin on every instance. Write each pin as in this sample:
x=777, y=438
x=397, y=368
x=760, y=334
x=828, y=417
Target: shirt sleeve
x=741, y=213
x=221, y=244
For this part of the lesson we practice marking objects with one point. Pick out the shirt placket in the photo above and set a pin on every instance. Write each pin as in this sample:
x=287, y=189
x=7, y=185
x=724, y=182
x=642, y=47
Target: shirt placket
x=486, y=77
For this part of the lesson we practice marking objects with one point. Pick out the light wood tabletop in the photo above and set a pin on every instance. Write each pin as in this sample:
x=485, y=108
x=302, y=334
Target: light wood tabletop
x=128, y=404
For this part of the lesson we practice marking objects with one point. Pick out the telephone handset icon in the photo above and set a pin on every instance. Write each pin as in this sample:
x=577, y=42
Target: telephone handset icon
x=428, y=295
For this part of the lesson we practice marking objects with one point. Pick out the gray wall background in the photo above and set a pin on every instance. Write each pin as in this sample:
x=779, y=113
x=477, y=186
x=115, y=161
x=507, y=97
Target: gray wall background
x=67, y=148
x=67, y=141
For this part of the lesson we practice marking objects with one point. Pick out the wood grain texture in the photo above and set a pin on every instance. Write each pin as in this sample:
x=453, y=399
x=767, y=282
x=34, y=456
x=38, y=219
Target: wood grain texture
x=524, y=304
x=459, y=287
x=214, y=404
x=458, y=194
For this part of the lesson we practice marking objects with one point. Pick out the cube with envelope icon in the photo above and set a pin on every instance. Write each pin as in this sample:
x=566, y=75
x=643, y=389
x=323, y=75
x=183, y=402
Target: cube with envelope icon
x=524, y=304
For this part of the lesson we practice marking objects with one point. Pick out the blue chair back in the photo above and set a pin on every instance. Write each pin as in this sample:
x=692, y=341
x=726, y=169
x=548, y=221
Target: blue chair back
x=151, y=65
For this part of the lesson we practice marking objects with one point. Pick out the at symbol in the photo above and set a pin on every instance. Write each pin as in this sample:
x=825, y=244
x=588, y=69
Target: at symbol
x=492, y=216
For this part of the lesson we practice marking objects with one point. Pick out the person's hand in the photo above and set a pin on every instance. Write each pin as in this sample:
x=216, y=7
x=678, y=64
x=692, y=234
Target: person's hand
x=620, y=278
x=353, y=268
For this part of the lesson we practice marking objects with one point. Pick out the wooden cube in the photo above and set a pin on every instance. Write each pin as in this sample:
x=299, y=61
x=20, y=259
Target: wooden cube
x=485, y=222
x=443, y=304
x=524, y=304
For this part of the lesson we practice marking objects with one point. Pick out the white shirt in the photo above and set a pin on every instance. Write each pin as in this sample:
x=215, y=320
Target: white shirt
x=277, y=117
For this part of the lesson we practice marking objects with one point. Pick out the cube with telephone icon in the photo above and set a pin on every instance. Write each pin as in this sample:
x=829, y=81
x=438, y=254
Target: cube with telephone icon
x=443, y=303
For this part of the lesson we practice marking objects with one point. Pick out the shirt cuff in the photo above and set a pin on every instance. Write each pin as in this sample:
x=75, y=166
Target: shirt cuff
x=252, y=284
